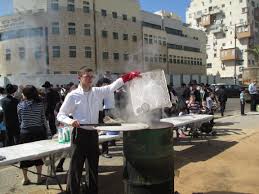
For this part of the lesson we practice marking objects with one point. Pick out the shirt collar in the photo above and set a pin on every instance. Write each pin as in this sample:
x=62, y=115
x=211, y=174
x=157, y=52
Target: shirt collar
x=81, y=90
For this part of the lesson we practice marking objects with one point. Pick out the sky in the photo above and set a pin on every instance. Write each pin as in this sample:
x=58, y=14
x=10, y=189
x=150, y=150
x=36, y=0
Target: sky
x=177, y=6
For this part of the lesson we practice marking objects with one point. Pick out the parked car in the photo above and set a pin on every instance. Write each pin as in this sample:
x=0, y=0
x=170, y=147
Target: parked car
x=232, y=90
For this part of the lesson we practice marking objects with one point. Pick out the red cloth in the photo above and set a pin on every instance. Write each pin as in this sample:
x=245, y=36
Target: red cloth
x=129, y=76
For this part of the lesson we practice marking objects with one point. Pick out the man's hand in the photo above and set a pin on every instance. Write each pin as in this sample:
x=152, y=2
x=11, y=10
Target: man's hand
x=129, y=76
x=75, y=123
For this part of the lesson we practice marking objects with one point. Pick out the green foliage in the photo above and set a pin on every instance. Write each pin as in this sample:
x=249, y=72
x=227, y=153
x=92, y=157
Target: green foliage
x=255, y=52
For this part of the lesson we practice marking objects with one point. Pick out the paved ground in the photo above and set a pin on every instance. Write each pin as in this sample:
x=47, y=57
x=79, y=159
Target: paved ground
x=228, y=164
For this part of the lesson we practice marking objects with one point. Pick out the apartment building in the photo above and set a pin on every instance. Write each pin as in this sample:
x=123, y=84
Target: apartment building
x=232, y=29
x=170, y=44
x=60, y=36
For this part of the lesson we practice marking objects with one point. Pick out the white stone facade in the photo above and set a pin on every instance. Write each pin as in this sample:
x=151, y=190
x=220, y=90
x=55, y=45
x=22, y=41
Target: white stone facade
x=219, y=19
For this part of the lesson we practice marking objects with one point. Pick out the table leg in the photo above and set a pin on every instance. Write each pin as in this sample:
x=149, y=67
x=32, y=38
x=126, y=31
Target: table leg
x=52, y=172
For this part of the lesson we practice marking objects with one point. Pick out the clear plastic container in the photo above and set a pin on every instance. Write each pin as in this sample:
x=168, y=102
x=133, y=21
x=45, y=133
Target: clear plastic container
x=149, y=92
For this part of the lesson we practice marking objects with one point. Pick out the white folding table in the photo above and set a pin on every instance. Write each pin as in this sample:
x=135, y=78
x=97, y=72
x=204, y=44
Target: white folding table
x=40, y=149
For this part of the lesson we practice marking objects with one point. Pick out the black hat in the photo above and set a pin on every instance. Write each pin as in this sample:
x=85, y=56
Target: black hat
x=46, y=84
x=10, y=89
x=2, y=90
x=102, y=81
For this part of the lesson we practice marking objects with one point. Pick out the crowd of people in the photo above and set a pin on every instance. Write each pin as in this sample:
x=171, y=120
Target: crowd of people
x=196, y=99
x=29, y=114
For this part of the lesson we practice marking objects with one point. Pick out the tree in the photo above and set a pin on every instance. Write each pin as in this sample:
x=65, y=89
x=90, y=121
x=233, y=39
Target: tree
x=254, y=51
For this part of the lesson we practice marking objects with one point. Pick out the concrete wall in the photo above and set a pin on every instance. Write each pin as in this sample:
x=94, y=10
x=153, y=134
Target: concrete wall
x=38, y=80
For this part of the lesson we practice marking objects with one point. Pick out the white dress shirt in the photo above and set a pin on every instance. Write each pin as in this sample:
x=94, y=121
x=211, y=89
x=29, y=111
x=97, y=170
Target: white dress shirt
x=252, y=88
x=84, y=106
x=109, y=102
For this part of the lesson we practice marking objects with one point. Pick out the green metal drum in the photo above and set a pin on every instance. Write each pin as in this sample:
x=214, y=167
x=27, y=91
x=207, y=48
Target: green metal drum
x=148, y=165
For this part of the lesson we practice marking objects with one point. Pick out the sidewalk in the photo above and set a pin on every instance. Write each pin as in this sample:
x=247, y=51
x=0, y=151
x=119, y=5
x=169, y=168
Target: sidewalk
x=191, y=155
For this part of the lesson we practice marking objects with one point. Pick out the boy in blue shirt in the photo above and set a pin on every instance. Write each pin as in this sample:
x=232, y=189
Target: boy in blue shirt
x=242, y=101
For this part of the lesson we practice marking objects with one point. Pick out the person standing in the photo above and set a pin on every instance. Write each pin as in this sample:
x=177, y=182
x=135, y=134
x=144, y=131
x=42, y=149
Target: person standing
x=83, y=104
x=252, y=91
x=222, y=98
x=51, y=99
x=33, y=127
x=9, y=106
x=242, y=101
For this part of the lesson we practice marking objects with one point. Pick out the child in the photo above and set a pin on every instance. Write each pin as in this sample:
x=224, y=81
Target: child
x=193, y=105
x=2, y=129
x=242, y=101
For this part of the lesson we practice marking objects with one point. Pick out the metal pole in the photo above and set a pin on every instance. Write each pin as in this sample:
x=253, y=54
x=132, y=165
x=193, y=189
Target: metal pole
x=95, y=38
x=235, y=67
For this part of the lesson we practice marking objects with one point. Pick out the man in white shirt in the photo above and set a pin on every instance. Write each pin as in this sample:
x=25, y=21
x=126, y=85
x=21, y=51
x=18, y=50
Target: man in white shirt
x=252, y=91
x=83, y=104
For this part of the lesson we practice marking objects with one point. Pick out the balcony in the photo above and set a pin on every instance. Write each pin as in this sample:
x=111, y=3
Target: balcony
x=206, y=20
x=217, y=28
x=215, y=10
x=198, y=15
x=229, y=54
x=244, y=31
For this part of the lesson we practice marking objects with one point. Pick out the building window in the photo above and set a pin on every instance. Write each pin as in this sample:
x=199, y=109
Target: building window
x=54, y=5
x=124, y=17
x=116, y=56
x=73, y=72
x=88, y=52
x=104, y=12
x=134, y=38
x=125, y=36
x=146, y=58
x=150, y=39
x=55, y=28
x=134, y=19
x=87, y=30
x=71, y=28
x=7, y=54
x=126, y=57
x=209, y=65
x=105, y=55
x=56, y=51
x=135, y=58
x=22, y=53
x=86, y=8
x=71, y=5
x=114, y=15
x=115, y=35
x=38, y=53
x=72, y=51
x=164, y=41
x=104, y=34
x=145, y=38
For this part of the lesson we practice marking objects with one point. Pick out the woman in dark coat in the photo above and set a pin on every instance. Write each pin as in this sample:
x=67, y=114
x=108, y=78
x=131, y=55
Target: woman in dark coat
x=33, y=126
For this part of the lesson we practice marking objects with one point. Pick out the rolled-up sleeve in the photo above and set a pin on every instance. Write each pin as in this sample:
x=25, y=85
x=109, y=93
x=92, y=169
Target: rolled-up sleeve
x=67, y=108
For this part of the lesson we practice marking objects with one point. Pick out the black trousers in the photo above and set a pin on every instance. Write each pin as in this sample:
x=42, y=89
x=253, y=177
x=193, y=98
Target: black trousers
x=253, y=102
x=12, y=139
x=222, y=108
x=84, y=146
x=242, y=106
x=52, y=123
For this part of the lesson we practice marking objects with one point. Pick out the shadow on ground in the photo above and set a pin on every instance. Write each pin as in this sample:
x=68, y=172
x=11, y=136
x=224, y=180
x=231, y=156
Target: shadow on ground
x=201, y=152
x=223, y=192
